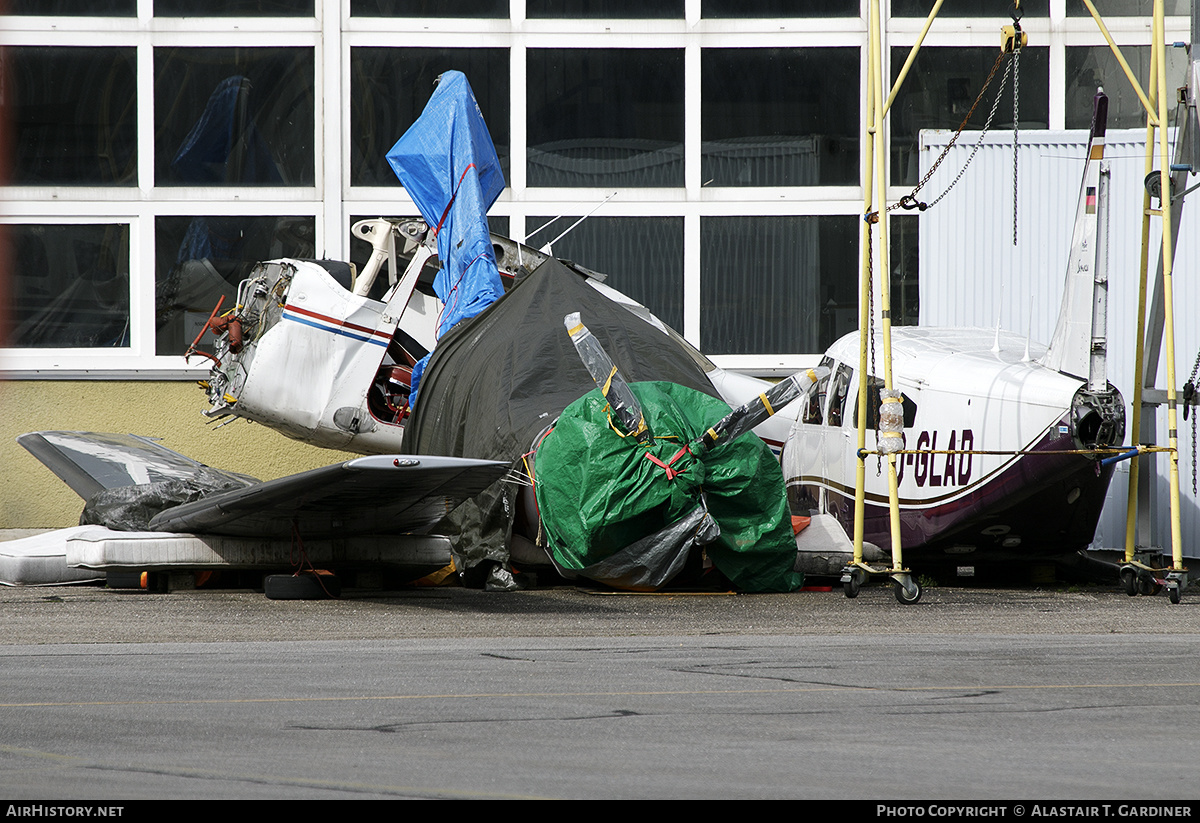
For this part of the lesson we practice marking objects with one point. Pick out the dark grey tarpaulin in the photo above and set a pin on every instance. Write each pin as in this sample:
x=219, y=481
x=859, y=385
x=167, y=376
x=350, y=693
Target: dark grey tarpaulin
x=497, y=380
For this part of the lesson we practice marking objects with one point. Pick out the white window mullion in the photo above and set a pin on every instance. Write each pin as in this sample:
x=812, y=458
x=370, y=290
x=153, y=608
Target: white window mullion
x=518, y=122
x=332, y=121
x=691, y=277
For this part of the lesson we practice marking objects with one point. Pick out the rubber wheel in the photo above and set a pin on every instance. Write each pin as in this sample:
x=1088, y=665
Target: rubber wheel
x=305, y=586
x=851, y=587
x=1129, y=582
x=1173, y=593
x=1147, y=586
x=902, y=593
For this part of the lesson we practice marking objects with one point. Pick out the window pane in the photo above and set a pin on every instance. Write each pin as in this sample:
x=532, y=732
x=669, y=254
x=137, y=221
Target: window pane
x=391, y=88
x=603, y=9
x=1092, y=66
x=70, y=286
x=233, y=8
x=972, y=8
x=642, y=256
x=200, y=259
x=1127, y=8
x=236, y=117
x=942, y=86
x=74, y=8
x=429, y=8
x=779, y=8
x=605, y=117
x=779, y=117
x=75, y=116
x=777, y=285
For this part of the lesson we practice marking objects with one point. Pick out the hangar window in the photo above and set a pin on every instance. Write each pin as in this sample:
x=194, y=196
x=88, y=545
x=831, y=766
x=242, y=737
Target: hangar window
x=779, y=8
x=779, y=117
x=200, y=259
x=233, y=8
x=605, y=117
x=392, y=87
x=75, y=117
x=641, y=256
x=73, y=8
x=429, y=8
x=70, y=285
x=603, y=9
x=942, y=85
x=1092, y=66
x=777, y=284
x=233, y=117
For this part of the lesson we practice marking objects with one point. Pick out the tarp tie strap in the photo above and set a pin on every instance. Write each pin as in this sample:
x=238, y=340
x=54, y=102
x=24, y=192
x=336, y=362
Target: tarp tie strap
x=671, y=473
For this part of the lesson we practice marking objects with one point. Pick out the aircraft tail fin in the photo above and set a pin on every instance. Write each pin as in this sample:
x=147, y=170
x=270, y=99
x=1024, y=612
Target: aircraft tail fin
x=1078, y=345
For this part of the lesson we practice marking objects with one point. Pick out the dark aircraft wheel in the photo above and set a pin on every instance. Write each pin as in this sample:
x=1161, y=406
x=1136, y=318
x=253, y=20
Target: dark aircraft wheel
x=851, y=586
x=1147, y=586
x=903, y=595
x=304, y=586
x=1129, y=582
x=1173, y=593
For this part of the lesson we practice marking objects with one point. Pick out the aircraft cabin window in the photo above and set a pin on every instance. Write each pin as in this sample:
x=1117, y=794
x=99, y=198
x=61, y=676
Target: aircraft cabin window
x=815, y=400
x=837, y=391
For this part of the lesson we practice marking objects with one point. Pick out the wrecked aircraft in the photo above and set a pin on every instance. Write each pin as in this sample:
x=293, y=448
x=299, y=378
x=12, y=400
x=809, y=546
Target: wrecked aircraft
x=308, y=352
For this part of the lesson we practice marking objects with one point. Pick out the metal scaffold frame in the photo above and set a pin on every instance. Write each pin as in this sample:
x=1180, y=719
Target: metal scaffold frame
x=1139, y=573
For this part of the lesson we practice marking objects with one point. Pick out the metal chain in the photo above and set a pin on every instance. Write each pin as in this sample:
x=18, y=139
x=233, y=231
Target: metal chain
x=978, y=143
x=872, y=219
x=1189, y=390
x=909, y=201
x=1016, y=120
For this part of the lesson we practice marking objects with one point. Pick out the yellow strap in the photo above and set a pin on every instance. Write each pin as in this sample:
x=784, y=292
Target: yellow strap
x=892, y=400
x=572, y=331
x=608, y=382
x=766, y=403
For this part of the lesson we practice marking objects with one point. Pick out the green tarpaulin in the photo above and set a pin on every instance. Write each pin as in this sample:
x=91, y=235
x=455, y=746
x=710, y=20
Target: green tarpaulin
x=599, y=493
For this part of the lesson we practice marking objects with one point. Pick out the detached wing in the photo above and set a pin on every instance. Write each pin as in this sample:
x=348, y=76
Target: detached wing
x=383, y=494
x=90, y=462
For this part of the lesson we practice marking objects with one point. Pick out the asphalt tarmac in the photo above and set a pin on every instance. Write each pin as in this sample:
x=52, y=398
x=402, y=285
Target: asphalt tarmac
x=559, y=693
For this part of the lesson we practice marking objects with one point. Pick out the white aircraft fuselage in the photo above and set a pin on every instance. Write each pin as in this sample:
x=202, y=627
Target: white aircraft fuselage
x=965, y=390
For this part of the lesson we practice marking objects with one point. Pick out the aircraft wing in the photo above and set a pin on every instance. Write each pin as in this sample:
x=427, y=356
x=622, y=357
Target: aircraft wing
x=386, y=494
x=382, y=494
x=90, y=462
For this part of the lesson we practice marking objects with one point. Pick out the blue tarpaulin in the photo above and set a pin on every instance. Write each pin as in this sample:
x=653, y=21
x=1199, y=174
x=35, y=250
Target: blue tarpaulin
x=449, y=167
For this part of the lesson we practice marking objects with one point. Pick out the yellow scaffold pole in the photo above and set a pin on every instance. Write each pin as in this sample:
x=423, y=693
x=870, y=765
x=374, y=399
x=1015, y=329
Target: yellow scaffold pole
x=1135, y=572
x=1160, y=45
x=875, y=222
